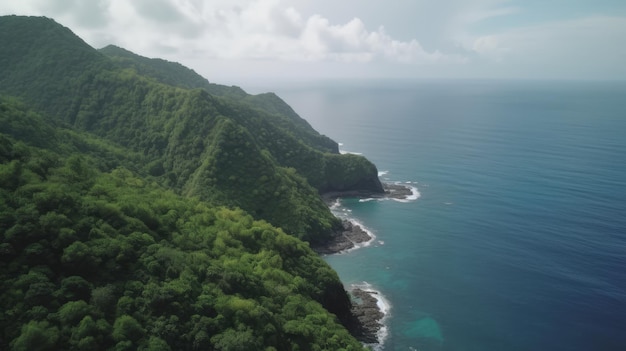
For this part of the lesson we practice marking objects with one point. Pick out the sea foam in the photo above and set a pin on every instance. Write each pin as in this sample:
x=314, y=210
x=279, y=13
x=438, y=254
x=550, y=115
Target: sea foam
x=367, y=199
x=363, y=244
x=343, y=213
x=415, y=194
x=344, y=152
x=384, y=306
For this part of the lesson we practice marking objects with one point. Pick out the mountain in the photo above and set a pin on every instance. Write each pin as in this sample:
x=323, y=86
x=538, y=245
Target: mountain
x=198, y=143
x=144, y=207
x=170, y=73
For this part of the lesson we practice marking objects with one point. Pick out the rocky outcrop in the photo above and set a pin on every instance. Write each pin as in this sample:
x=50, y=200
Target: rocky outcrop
x=397, y=191
x=368, y=315
x=388, y=190
x=346, y=238
x=347, y=173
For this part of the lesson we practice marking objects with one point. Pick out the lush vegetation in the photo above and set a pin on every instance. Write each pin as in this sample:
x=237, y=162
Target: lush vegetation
x=170, y=73
x=184, y=134
x=142, y=207
x=95, y=260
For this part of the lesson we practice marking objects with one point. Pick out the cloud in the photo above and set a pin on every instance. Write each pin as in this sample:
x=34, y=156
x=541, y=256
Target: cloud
x=267, y=30
x=241, y=30
x=89, y=14
x=591, y=46
x=420, y=38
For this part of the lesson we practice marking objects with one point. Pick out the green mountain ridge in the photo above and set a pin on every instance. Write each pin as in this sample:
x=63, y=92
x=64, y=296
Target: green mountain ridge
x=170, y=73
x=93, y=260
x=170, y=125
x=141, y=206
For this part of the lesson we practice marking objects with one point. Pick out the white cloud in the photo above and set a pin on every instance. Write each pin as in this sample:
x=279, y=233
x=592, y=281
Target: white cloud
x=590, y=47
x=255, y=29
x=420, y=38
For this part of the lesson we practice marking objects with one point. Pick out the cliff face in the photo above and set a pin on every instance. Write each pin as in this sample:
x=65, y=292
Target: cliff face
x=351, y=174
x=142, y=207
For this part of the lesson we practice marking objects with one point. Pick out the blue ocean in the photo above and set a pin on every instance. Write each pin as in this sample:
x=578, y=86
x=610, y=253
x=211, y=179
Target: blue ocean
x=518, y=238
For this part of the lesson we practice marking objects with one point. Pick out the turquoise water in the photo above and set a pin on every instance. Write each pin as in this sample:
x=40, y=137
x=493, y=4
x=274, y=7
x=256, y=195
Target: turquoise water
x=518, y=241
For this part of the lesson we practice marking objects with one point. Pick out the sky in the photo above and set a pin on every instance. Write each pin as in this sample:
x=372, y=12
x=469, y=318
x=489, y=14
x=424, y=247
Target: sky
x=245, y=41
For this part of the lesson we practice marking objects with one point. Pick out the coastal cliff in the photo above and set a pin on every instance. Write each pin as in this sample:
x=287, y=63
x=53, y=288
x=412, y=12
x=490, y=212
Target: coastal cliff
x=143, y=206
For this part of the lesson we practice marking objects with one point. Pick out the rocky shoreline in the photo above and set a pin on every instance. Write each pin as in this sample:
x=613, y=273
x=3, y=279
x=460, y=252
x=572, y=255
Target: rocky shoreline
x=351, y=234
x=397, y=191
x=368, y=315
x=390, y=191
x=365, y=309
x=346, y=238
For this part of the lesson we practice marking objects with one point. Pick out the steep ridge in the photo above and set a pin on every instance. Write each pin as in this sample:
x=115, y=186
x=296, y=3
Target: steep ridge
x=170, y=73
x=173, y=127
x=93, y=260
x=113, y=232
x=175, y=74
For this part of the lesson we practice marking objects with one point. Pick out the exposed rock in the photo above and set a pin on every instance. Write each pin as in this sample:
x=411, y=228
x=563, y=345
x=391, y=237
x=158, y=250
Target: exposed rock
x=397, y=191
x=344, y=239
x=368, y=314
x=391, y=190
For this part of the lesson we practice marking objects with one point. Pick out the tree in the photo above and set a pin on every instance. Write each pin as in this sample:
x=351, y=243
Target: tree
x=127, y=328
x=36, y=336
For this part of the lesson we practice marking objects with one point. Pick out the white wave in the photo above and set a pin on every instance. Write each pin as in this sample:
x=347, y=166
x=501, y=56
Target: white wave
x=344, y=152
x=363, y=244
x=335, y=204
x=415, y=194
x=367, y=199
x=340, y=144
x=344, y=213
x=382, y=173
x=384, y=306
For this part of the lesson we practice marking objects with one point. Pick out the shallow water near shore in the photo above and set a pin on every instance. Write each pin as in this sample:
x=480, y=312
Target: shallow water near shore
x=518, y=238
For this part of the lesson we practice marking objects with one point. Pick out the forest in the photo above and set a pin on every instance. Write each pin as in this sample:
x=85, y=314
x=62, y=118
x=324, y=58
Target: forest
x=145, y=208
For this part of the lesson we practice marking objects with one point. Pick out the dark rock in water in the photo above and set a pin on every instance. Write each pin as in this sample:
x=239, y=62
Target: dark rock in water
x=397, y=191
x=344, y=239
x=366, y=316
x=391, y=190
x=369, y=316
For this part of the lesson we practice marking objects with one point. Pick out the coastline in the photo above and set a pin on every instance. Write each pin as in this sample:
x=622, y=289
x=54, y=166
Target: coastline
x=351, y=236
x=394, y=191
x=371, y=310
x=369, y=307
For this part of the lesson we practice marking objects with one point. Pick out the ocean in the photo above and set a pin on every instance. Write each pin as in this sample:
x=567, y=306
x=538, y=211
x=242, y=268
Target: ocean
x=518, y=238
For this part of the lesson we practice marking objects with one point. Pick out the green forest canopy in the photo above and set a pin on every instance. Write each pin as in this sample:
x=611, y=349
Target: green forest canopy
x=102, y=260
x=194, y=142
x=143, y=207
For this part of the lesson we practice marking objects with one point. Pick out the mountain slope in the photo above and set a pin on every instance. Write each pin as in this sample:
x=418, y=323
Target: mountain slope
x=170, y=73
x=93, y=260
x=134, y=208
x=174, y=128
x=175, y=74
